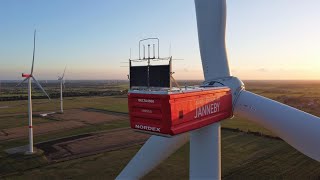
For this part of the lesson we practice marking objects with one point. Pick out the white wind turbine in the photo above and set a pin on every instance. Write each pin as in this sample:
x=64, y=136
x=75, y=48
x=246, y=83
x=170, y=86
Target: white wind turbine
x=31, y=77
x=62, y=81
x=299, y=129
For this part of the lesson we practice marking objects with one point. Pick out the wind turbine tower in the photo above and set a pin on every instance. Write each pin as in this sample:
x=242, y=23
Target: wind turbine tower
x=29, y=78
x=62, y=81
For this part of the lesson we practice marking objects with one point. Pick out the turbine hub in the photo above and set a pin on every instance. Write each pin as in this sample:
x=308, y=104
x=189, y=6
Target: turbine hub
x=234, y=83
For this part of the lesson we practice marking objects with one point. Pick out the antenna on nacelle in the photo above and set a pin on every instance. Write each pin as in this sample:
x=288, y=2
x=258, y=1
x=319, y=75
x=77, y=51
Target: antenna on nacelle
x=148, y=51
x=149, y=44
x=150, y=75
x=144, y=51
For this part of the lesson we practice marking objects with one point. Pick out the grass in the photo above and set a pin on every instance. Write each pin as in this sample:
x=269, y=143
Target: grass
x=243, y=157
x=101, y=166
x=244, y=125
x=246, y=157
x=19, y=163
x=253, y=156
x=112, y=103
x=72, y=132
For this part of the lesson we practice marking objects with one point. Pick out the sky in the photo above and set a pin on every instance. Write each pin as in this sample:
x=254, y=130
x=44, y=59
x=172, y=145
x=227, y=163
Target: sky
x=266, y=39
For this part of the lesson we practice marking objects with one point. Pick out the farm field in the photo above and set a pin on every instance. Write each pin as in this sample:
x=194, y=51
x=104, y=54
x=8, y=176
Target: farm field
x=63, y=139
x=243, y=156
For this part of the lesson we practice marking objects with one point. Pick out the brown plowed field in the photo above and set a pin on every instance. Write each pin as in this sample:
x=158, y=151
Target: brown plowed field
x=88, y=116
x=44, y=128
x=71, y=119
x=65, y=149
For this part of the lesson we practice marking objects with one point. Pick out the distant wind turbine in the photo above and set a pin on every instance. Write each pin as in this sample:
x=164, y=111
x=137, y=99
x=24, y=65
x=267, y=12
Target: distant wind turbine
x=29, y=77
x=62, y=81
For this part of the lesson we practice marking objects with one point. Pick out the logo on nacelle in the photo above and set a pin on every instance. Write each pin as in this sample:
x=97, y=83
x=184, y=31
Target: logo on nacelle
x=148, y=128
x=207, y=107
x=146, y=100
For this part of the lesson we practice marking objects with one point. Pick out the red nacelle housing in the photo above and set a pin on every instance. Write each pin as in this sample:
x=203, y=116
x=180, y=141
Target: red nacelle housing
x=171, y=113
x=26, y=75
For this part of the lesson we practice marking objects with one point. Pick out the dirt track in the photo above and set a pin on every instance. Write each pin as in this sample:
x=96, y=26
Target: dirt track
x=88, y=116
x=70, y=148
x=44, y=128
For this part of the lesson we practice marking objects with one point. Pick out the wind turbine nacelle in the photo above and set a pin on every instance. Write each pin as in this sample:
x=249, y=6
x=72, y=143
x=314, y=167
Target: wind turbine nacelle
x=168, y=113
x=26, y=75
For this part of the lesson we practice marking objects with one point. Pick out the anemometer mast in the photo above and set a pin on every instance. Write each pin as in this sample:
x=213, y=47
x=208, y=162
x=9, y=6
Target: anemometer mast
x=150, y=71
x=147, y=39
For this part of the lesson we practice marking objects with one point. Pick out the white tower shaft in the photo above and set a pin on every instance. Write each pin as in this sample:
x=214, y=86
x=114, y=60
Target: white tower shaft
x=205, y=153
x=30, y=117
x=61, y=97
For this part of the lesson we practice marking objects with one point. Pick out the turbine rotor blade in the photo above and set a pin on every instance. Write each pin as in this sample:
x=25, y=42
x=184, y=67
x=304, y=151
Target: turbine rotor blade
x=64, y=72
x=34, y=49
x=38, y=84
x=211, y=23
x=153, y=152
x=22, y=81
x=299, y=129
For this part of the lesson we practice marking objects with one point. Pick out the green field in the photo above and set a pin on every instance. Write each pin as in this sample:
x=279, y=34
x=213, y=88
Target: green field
x=244, y=156
x=112, y=103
